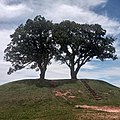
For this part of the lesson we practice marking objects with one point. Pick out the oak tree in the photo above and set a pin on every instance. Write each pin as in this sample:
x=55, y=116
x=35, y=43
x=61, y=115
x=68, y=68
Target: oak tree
x=80, y=43
x=31, y=45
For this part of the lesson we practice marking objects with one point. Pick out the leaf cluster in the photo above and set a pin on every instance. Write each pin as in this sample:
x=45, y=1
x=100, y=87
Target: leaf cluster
x=82, y=42
x=30, y=44
x=37, y=41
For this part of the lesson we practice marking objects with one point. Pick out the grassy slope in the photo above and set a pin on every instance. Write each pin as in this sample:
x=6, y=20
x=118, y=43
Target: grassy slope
x=34, y=100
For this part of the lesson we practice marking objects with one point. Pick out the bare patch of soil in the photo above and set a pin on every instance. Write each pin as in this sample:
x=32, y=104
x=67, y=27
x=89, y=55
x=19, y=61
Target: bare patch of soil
x=100, y=108
x=64, y=94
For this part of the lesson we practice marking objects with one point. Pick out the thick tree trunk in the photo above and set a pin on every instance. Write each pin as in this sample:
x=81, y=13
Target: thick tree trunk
x=42, y=70
x=42, y=73
x=73, y=73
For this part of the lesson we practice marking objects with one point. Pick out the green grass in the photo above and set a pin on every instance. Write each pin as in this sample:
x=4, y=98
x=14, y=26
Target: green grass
x=36, y=100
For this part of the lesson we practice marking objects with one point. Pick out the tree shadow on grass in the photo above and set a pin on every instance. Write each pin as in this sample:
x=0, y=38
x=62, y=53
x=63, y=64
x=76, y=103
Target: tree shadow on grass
x=45, y=82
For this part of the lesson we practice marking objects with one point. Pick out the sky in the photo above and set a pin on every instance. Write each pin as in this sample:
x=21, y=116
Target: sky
x=103, y=12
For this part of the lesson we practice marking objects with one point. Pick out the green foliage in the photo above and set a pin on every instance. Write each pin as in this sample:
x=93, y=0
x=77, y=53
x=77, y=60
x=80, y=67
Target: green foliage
x=36, y=42
x=80, y=43
x=31, y=44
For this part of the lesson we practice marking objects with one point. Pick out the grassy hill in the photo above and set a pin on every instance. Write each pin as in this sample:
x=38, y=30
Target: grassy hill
x=55, y=100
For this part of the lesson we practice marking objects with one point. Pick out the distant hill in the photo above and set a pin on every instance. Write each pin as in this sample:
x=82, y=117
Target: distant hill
x=55, y=100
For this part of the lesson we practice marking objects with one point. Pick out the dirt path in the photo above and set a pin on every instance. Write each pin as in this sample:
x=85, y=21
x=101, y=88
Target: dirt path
x=100, y=108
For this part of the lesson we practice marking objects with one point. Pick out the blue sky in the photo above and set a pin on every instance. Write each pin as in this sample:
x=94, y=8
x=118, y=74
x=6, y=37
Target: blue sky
x=104, y=12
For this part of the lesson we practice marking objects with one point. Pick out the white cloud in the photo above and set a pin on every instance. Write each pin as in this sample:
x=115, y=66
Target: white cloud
x=57, y=71
x=112, y=72
x=19, y=75
x=100, y=73
x=104, y=74
x=117, y=46
x=12, y=11
x=57, y=11
x=89, y=66
x=5, y=38
x=87, y=4
x=81, y=15
x=12, y=14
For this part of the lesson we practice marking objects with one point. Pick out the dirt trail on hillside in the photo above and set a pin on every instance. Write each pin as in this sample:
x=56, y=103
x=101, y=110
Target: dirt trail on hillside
x=100, y=108
x=68, y=94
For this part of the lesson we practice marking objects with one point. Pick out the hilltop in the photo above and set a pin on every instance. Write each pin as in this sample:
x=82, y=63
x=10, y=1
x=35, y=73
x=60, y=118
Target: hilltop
x=56, y=100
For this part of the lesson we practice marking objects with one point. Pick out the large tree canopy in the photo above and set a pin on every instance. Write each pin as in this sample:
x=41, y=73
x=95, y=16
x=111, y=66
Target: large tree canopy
x=36, y=42
x=80, y=43
x=32, y=45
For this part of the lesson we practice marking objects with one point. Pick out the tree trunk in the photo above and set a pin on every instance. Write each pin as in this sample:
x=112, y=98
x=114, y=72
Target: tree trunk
x=73, y=73
x=42, y=70
x=42, y=73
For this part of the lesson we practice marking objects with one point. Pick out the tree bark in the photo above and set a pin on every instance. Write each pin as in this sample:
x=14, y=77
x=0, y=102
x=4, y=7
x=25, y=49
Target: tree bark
x=42, y=69
x=73, y=73
x=42, y=73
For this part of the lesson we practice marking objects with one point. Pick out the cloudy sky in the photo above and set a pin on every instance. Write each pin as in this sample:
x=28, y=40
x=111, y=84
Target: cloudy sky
x=104, y=12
